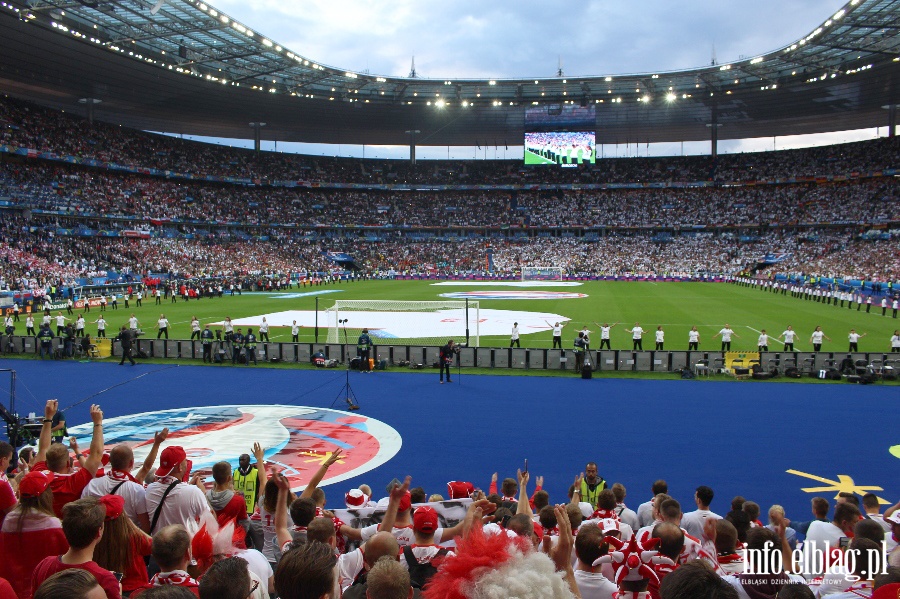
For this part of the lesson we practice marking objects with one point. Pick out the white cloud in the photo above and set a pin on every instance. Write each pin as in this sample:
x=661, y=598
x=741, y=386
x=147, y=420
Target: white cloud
x=524, y=38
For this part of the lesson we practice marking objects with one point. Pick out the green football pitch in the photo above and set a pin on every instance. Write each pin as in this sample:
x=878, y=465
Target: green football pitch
x=534, y=158
x=674, y=306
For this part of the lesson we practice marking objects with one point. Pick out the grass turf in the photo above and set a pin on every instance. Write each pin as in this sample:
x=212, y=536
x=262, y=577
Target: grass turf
x=675, y=306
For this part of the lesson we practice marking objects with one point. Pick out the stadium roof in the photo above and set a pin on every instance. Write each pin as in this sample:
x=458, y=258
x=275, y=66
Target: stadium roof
x=181, y=66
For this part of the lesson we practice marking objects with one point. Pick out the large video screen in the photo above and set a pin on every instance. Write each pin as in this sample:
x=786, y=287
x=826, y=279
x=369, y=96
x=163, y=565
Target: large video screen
x=562, y=148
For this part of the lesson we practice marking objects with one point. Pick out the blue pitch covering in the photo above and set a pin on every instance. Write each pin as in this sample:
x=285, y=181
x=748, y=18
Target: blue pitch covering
x=738, y=438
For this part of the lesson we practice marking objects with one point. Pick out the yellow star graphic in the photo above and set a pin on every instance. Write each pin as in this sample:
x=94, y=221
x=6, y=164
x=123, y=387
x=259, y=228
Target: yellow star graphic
x=320, y=458
x=844, y=484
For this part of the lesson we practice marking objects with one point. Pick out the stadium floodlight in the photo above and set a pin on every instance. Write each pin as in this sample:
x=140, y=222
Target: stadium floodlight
x=670, y=97
x=440, y=103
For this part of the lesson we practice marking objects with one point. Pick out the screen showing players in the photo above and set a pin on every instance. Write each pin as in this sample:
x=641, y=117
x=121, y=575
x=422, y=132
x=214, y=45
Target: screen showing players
x=561, y=148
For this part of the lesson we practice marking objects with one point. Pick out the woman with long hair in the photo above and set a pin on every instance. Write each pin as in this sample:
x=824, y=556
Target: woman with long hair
x=30, y=532
x=267, y=514
x=123, y=546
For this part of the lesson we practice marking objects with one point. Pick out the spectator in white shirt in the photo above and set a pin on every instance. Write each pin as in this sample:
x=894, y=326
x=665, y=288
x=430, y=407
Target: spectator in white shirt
x=589, y=547
x=692, y=522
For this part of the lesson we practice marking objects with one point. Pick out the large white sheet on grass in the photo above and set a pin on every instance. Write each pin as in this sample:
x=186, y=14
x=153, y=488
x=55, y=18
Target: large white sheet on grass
x=445, y=323
x=507, y=284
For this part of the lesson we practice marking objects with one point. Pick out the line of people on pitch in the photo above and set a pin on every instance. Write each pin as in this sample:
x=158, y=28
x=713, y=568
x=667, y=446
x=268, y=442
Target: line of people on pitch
x=581, y=344
x=832, y=297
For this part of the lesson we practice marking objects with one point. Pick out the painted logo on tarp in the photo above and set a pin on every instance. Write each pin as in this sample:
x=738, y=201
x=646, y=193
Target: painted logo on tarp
x=514, y=295
x=296, y=439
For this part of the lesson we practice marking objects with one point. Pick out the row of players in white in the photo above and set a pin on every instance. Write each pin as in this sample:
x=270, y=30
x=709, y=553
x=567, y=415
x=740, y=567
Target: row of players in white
x=789, y=336
x=843, y=296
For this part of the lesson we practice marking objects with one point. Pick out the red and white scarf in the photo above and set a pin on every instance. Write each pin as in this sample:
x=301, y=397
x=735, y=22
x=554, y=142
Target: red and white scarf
x=178, y=578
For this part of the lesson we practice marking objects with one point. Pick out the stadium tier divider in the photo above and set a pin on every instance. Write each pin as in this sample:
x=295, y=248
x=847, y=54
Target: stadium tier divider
x=808, y=363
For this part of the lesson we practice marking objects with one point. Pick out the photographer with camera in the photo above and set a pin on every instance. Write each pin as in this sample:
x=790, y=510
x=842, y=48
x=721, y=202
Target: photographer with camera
x=446, y=359
x=363, y=345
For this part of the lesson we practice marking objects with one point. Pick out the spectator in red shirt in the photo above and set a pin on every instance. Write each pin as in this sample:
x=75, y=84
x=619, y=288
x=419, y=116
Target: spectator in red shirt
x=30, y=532
x=68, y=483
x=7, y=496
x=83, y=526
x=227, y=504
x=123, y=546
x=74, y=583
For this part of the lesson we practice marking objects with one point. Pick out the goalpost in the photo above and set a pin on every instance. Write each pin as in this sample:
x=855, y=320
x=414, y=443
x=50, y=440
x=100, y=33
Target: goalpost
x=543, y=273
x=404, y=322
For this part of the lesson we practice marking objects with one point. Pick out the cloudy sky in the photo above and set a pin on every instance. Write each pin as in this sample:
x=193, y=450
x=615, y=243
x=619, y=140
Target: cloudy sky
x=528, y=38
x=525, y=38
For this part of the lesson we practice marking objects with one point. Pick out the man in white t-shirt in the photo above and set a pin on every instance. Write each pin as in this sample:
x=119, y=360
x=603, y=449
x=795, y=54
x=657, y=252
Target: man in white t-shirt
x=692, y=522
x=626, y=515
x=60, y=323
x=295, y=332
x=163, y=325
x=816, y=339
x=762, y=343
x=823, y=538
x=726, y=334
x=660, y=338
x=557, y=333
x=873, y=512
x=693, y=339
x=514, y=336
x=427, y=537
x=119, y=481
x=645, y=510
x=185, y=502
x=789, y=335
x=264, y=330
x=133, y=323
x=853, y=337
x=101, y=326
x=589, y=547
x=637, y=334
x=604, y=333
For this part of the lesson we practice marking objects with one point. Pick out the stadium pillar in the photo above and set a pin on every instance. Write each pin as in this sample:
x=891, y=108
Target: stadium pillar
x=714, y=131
x=256, y=126
x=412, y=144
x=892, y=119
x=89, y=103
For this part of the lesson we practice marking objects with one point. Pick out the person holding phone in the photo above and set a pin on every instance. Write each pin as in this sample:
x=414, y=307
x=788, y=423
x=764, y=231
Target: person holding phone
x=123, y=546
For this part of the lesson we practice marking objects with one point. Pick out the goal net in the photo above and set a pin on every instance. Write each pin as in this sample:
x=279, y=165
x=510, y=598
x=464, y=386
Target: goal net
x=543, y=273
x=403, y=322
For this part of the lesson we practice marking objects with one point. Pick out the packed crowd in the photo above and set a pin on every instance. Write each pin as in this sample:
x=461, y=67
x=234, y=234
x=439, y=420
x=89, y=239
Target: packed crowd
x=219, y=229
x=76, y=191
x=44, y=130
x=34, y=258
x=87, y=525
